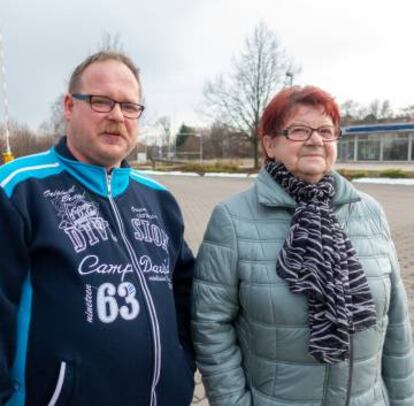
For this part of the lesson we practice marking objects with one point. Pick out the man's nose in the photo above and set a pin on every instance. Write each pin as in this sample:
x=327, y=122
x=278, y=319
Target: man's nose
x=116, y=113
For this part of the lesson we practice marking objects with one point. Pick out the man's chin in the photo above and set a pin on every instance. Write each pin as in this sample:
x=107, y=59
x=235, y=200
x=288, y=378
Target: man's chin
x=112, y=157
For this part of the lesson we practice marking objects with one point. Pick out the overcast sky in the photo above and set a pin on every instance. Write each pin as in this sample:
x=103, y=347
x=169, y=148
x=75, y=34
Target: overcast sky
x=354, y=49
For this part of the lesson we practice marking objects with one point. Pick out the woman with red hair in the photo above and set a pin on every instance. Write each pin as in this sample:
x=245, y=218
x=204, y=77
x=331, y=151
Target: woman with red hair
x=297, y=298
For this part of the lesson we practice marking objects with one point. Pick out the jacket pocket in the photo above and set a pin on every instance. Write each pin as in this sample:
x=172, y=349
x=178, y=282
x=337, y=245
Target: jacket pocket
x=64, y=385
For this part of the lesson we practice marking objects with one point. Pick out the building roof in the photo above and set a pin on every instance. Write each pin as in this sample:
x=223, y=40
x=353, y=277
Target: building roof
x=378, y=128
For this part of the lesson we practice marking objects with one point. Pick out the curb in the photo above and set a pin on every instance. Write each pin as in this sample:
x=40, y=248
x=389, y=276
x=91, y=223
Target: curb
x=206, y=174
x=381, y=181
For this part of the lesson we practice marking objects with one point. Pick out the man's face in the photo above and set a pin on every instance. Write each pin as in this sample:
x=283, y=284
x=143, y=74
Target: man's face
x=103, y=139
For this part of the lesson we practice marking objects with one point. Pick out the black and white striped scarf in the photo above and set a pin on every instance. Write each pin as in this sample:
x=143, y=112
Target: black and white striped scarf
x=319, y=261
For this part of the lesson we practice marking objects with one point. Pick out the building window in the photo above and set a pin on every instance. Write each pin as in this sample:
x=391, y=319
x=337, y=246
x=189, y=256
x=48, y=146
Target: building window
x=369, y=148
x=395, y=147
x=346, y=149
x=412, y=146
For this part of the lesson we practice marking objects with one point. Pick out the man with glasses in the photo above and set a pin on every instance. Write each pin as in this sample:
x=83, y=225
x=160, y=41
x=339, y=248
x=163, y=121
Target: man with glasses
x=95, y=274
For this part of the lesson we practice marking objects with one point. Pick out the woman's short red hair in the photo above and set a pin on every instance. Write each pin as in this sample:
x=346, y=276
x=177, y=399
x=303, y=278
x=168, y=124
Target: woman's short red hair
x=283, y=104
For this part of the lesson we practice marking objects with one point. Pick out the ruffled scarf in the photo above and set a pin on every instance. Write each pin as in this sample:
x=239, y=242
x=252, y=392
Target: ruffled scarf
x=319, y=261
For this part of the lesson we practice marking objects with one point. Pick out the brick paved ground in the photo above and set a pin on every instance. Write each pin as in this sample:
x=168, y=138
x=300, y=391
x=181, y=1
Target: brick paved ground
x=198, y=195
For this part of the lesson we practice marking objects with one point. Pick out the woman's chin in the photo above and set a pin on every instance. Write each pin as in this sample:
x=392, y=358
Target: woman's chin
x=311, y=173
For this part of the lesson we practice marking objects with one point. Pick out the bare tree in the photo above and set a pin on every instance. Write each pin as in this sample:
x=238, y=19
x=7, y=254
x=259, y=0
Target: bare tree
x=373, y=109
x=239, y=98
x=353, y=112
x=380, y=109
x=24, y=141
x=111, y=42
x=221, y=141
x=165, y=123
x=386, y=110
x=408, y=112
x=55, y=124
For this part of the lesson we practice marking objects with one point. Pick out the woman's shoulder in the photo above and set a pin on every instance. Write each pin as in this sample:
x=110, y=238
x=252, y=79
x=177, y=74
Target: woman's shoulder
x=366, y=214
x=369, y=207
x=348, y=192
x=222, y=223
x=369, y=203
x=240, y=203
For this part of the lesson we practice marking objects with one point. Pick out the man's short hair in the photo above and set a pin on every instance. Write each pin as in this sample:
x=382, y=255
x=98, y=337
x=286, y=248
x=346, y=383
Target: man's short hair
x=102, y=56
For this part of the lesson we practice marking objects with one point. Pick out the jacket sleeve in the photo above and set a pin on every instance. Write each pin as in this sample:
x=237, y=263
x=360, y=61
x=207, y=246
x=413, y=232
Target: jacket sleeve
x=398, y=356
x=182, y=282
x=215, y=309
x=13, y=272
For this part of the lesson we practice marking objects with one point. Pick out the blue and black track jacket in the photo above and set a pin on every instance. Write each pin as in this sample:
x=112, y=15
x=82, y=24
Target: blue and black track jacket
x=95, y=281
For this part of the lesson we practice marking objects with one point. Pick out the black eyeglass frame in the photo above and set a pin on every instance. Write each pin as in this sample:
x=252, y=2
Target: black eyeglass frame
x=285, y=133
x=88, y=98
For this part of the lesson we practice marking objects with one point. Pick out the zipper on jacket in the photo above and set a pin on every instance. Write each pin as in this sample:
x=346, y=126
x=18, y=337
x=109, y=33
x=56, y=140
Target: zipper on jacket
x=108, y=184
x=351, y=369
x=349, y=383
x=325, y=384
x=59, y=384
x=147, y=294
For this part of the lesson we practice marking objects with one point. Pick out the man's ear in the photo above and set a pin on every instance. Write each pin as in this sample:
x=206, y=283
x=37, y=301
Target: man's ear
x=67, y=106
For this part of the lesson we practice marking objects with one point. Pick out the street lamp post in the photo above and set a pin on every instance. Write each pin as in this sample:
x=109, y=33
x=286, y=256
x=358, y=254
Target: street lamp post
x=290, y=75
x=201, y=148
x=7, y=156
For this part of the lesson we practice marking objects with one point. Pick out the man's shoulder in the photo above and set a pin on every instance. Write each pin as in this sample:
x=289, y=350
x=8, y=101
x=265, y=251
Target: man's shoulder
x=157, y=196
x=145, y=180
x=31, y=166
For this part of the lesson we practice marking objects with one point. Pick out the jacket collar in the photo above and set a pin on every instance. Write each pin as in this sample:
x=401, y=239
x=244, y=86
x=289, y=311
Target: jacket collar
x=271, y=194
x=95, y=178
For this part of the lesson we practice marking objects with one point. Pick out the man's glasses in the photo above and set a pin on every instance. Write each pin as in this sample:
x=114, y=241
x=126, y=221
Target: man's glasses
x=303, y=132
x=103, y=104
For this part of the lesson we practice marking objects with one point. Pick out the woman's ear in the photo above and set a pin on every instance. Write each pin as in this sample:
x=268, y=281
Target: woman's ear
x=268, y=145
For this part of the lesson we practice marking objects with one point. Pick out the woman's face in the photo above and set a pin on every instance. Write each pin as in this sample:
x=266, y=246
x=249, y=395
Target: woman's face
x=308, y=160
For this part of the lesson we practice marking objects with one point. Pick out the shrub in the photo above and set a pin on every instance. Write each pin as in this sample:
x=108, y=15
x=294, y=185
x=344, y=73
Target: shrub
x=215, y=167
x=360, y=174
x=353, y=173
x=393, y=173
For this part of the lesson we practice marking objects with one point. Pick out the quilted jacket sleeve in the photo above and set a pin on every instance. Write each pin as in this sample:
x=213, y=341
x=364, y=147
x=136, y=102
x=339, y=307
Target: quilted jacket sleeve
x=398, y=356
x=215, y=308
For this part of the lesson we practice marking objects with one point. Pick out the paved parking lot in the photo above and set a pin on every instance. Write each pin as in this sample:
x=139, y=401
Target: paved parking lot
x=198, y=196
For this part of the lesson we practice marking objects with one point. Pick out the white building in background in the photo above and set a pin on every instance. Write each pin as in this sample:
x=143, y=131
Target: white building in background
x=387, y=142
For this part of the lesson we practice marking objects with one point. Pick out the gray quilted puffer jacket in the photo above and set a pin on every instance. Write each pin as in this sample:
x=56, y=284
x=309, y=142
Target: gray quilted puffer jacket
x=251, y=333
